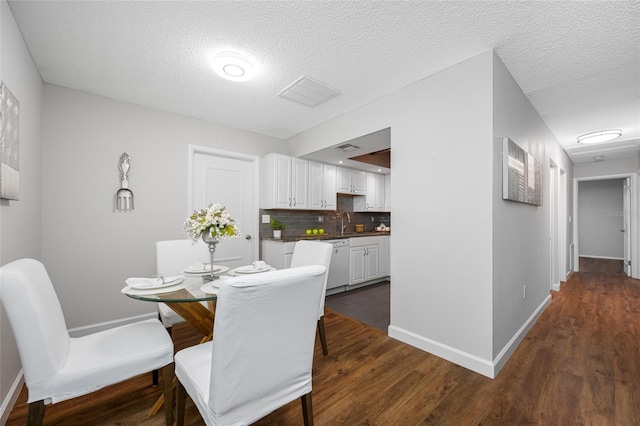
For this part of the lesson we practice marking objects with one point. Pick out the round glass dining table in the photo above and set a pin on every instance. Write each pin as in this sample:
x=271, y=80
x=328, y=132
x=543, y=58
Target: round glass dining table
x=181, y=295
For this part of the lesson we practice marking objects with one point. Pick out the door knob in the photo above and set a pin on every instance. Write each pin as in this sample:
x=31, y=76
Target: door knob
x=247, y=237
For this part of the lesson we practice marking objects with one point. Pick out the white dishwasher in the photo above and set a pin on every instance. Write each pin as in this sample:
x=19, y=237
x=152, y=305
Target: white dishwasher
x=340, y=264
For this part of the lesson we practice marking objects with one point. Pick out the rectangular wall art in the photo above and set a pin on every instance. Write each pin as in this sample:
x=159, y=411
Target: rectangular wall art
x=9, y=144
x=521, y=175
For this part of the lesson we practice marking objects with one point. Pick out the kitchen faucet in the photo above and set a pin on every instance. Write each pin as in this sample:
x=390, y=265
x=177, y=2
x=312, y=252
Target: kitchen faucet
x=342, y=221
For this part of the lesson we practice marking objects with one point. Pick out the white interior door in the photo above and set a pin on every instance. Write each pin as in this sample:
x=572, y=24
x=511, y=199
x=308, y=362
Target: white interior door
x=229, y=179
x=626, y=221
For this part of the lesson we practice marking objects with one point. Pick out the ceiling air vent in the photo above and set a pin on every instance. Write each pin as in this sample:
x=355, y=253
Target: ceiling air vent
x=309, y=92
x=347, y=147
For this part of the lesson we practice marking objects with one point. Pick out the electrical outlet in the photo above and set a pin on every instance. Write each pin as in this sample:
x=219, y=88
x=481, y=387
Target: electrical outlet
x=524, y=291
x=371, y=218
x=266, y=218
x=320, y=219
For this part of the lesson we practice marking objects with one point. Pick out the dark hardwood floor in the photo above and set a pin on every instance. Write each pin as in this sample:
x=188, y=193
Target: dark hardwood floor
x=579, y=365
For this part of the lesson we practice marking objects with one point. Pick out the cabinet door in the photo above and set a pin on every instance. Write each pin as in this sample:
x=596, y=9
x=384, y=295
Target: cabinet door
x=383, y=254
x=387, y=193
x=282, y=187
x=358, y=182
x=371, y=192
x=299, y=183
x=371, y=263
x=379, y=199
x=357, y=265
x=316, y=185
x=343, y=184
x=330, y=197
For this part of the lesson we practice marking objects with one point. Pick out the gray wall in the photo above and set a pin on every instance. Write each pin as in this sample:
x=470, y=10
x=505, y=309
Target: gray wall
x=88, y=248
x=521, y=231
x=600, y=207
x=19, y=220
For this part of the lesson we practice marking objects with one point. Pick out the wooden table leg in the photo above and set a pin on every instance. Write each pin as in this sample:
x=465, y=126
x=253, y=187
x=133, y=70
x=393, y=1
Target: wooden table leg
x=198, y=316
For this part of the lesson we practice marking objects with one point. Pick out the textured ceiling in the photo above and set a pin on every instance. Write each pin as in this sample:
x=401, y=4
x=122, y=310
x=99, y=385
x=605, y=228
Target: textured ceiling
x=578, y=62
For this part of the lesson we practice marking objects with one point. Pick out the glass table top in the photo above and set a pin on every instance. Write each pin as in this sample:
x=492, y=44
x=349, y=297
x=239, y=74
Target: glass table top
x=188, y=290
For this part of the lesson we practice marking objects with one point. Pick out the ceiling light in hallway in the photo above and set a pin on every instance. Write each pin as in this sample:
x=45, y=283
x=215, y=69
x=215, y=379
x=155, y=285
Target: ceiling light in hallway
x=601, y=136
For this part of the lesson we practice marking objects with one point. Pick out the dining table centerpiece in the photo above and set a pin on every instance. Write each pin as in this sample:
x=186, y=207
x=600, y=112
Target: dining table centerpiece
x=212, y=224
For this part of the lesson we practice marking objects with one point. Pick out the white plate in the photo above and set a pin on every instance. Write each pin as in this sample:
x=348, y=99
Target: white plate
x=205, y=270
x=217, y=269
x=155, y=290
x=210, y=288
x=249, y=269
x=155, y=287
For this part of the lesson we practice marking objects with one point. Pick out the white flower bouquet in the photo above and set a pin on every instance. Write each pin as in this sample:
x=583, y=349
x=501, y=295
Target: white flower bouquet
x=214, y=220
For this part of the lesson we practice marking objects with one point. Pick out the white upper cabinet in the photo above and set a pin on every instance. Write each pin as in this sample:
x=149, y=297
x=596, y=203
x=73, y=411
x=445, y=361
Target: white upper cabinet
x=284, y=182
x=374, y=198
x=322, y=186
x=387, y=193
x=350, y=181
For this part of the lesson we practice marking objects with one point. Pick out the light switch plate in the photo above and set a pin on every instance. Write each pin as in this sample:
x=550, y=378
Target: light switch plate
x=266, y=218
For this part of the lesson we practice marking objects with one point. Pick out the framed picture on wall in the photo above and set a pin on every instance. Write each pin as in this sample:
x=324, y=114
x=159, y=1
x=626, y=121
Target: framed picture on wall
x=9, y=144
x=521, y=175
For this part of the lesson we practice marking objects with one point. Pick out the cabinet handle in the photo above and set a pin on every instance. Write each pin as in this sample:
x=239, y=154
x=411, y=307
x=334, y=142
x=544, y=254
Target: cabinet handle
x=294, y=201
x=289, y=201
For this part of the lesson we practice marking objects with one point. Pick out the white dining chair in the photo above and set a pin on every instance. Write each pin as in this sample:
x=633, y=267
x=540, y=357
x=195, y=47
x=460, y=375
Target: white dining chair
x=172, y=257
x=261, y=354
x=58, y=367
x=315, y=253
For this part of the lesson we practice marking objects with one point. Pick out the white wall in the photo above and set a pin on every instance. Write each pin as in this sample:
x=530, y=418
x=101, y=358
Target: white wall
x=441, y=139
x=605, y=168
x=600, y=203
x=88, y=248
x=521, y=231
x=19, y=220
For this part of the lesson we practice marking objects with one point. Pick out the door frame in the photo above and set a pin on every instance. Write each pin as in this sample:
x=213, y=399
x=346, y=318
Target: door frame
x=633, y=224
x=626, y=225
x=254, y=161
x=557, y=228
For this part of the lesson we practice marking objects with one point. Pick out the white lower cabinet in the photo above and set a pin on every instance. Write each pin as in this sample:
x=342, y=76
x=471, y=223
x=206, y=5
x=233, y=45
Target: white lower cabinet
x=364, y=259
x=383, y=253
x=277, y=253
x=369, y=257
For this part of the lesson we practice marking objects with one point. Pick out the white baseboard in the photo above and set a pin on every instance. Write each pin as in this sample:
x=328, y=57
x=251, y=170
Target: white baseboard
x=12, y=397
x=593, y=256
x=511, y=346
x=94, y=328
x=474, y=363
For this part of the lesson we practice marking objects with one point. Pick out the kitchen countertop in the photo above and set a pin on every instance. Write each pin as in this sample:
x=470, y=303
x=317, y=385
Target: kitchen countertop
x=287, y=239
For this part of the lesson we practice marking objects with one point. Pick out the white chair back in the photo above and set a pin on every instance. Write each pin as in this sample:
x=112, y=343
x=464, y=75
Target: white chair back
x=172, y=256
x=36, y=318
x=263, y=343
x=308, y=253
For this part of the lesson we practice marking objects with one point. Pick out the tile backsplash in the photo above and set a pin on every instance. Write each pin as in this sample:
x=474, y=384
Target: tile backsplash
x=298, y=221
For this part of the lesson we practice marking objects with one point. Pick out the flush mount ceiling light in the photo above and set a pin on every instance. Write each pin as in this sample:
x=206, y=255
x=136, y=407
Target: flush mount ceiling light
x=601, y=136
x=233, y=66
